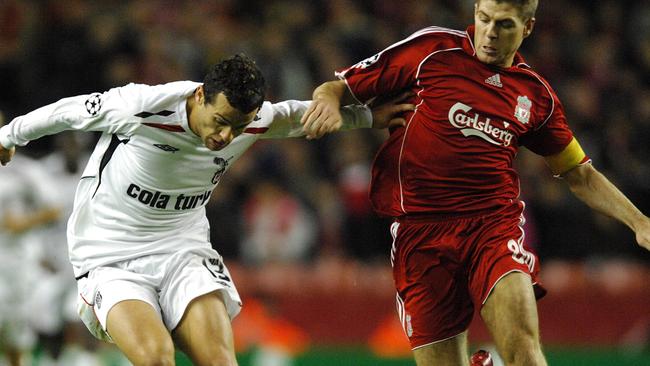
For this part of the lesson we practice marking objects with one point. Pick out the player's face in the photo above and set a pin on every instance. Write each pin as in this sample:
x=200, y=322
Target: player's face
x=500, y=30
x=217, y=123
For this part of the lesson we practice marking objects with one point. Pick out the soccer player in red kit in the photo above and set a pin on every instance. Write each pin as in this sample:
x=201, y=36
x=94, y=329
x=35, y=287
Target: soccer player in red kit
x=448, y=181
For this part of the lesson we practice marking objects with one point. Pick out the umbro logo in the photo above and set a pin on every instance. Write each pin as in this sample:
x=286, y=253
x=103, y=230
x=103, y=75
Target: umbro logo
x=168, y=148
x=494, y=80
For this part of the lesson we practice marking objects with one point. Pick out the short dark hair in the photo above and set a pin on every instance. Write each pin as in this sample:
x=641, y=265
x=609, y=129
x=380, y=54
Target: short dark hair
x=241, y=81
x=527, y=7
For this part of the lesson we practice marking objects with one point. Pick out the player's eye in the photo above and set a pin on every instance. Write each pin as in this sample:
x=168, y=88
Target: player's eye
x=220, y=122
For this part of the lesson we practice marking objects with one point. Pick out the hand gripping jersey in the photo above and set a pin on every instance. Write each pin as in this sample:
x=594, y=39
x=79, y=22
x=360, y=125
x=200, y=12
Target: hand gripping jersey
x=455, y=156
x=147, y=182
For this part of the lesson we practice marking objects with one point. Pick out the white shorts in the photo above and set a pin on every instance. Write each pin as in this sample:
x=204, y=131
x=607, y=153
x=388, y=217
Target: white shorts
x=167, y=282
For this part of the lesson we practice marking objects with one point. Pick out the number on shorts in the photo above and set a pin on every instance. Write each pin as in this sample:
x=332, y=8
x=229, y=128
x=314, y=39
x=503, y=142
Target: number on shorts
x=521, y=255
x=217, y=269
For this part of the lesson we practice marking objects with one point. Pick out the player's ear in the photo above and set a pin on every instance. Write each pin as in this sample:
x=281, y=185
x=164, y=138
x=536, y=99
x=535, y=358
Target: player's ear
x=528, y=27
x=199, y=95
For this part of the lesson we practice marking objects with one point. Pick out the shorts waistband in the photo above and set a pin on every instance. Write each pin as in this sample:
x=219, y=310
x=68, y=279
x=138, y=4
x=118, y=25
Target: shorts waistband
x=430, y=218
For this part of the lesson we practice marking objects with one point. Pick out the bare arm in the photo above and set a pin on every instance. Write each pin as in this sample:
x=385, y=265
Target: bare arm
x=17, y=224
x=324, y=115
x=594, y=189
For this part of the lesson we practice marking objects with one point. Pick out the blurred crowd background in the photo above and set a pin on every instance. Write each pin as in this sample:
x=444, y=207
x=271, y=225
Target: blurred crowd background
x=298, y=201
x=294, y=200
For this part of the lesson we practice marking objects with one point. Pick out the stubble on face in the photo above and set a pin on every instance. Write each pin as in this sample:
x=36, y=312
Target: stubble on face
x=499, y=32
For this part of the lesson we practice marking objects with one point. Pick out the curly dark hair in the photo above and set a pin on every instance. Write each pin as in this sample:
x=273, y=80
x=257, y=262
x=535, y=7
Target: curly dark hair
x=240, y=80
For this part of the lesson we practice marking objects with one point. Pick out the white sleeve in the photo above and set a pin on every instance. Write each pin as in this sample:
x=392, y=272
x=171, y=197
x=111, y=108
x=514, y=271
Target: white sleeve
x=285, y=118
x=105, y=112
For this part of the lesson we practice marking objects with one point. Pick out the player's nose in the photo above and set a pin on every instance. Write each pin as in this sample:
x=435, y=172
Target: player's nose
x=226, y=134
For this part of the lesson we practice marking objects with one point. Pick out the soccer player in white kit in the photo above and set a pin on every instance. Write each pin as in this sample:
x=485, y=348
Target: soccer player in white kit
x=138, y=237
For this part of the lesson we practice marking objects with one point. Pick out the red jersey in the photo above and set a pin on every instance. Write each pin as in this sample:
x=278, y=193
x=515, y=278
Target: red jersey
x=455, y=155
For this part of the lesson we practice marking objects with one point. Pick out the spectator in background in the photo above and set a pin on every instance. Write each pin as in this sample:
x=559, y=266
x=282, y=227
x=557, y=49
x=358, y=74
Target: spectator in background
x=277, y=226
x=363, y=232
x=25, y=209
x=199, y=33
x=62, y=336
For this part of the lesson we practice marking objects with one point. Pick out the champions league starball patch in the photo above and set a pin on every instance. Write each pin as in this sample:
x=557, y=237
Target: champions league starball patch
x=94, y=104
x=367, y=62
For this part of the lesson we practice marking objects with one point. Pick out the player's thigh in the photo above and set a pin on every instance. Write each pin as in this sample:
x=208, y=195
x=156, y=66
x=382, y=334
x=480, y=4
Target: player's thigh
x=205, y=332
x=449, y=352
x=510, y=313
x=137, y=329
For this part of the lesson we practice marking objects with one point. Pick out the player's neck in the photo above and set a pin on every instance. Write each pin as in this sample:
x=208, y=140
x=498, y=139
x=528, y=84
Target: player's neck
x=189, y=106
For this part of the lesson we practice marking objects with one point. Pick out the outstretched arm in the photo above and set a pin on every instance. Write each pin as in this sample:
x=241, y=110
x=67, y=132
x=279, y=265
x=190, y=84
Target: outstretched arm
x=594, y=189
x=110, y=112
x=284, y=118
x=323, y=115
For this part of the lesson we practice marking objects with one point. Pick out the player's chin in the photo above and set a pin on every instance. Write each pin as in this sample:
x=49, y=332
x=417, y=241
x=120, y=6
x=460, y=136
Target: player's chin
x=214, y=145
x=488, y=58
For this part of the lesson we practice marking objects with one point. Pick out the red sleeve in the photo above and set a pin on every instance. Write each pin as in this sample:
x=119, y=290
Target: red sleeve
x=395, y=68
x=554, y=134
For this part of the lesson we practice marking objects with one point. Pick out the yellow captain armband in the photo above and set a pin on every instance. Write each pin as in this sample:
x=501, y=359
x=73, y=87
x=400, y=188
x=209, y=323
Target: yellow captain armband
x=569, y=158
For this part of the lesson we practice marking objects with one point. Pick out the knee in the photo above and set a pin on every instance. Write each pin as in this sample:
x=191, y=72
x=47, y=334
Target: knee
x=219, y=356
x=154, y=354
x=523, y=350
x=225, y=361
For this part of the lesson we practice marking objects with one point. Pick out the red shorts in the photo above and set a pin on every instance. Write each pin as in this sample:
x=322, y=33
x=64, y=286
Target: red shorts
x=444, y=268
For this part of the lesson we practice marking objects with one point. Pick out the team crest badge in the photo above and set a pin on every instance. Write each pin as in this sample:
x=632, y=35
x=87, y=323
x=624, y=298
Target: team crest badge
x=522, y=110
x=221, y=164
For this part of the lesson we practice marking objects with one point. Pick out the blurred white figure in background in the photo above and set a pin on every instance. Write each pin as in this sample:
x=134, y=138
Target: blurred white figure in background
x=24, y=211
x=62, y=335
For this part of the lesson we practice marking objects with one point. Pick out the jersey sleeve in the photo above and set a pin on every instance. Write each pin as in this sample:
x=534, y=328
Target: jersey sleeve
x=103, y=112
x=283, y=119
x=553, y=135
x=393, y=69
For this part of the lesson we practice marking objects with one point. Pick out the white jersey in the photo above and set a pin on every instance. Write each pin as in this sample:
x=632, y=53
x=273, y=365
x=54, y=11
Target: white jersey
x=146, y=184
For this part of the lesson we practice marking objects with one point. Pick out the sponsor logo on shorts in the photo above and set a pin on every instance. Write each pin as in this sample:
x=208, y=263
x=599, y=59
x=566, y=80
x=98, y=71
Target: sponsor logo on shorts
x=473, y=124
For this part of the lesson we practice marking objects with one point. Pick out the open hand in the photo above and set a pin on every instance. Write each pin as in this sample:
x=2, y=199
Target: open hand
x=390, y=112
x=643, y=234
